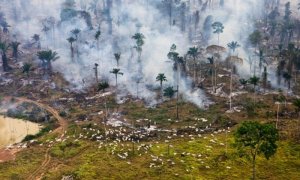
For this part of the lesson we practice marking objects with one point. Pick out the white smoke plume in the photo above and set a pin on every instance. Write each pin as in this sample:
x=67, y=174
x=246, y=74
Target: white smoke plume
x=128, y=18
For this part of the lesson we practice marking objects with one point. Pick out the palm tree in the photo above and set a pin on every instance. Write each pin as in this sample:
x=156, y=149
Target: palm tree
x=117, y=57
x=255, y=38
x=243, y=82
x=211, y=61
x=36, y=39
x=161, y=78
x=116, y=72
x=139, y=38
x=261, y=59
x=97, y=37
x=15, y=48
x=103, y=86
x=3, y=50
x=71, y=40
x=254, y=80
x=287, y=77
x=218, y=27
x=47, y=57
x=232, y=60
x=233, y=46
x=27, y=67
x=265, y=78
x=193, y=52
x=76, y=32
x=169, y=92
x=96, y=72
x=174, y=56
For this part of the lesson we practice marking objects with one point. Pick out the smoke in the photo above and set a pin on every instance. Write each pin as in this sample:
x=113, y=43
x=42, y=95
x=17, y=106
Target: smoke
x=129, y=17
x=124, y=19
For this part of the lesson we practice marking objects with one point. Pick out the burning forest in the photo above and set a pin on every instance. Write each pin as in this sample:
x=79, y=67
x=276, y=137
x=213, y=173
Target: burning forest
x=140, y=89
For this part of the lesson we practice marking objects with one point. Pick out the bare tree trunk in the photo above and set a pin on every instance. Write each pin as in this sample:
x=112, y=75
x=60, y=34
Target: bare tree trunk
x=253, y=168
x=177, y=113
x=277, y=116
x=230, y=98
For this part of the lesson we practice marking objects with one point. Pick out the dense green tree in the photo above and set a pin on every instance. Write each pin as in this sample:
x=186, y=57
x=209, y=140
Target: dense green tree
x=254, y=139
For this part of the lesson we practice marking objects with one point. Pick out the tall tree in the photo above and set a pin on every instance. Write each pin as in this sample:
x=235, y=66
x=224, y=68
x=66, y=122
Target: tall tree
x=161, y=78
x=27, y=67
x=194, y=52
x=169, y=92
x=116, y=72
x=211, y=61
x=76, y=33
x=97, y=37
x=255, y=139
x=3, y=50
x=296, y=103
x=168, y=4
x=71, y=40
x=36, y=39
x=177, y=60
x=117, y=58
x=47, y=57
x=254, y=80
x=261, y=60
x=218, y=29
x=96, y=72
x=287, y=77
x=15, y=48
x=255, y=38
x=139, y=39
x=233, y=46
x=102, y=86
x=265, y=78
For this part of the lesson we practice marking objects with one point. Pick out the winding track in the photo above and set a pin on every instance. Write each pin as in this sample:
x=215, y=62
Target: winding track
x=63, y=124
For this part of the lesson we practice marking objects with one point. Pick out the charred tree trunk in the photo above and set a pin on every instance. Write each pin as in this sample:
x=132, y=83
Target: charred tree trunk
x=5, y=65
